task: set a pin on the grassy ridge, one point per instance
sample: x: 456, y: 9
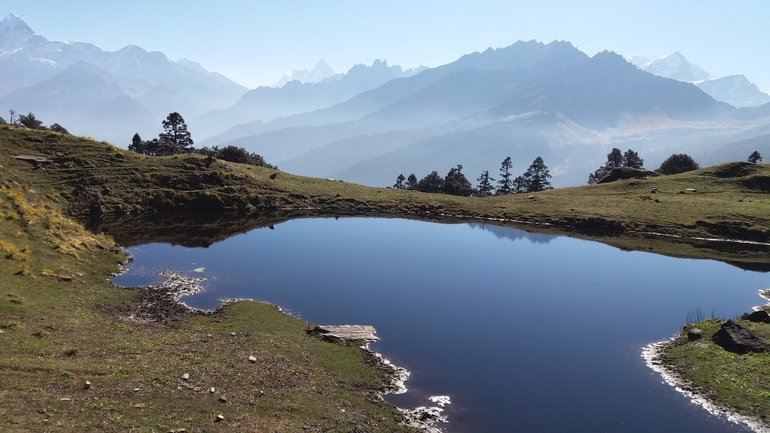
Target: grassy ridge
x: 731, y: 201
x: 61, y: 319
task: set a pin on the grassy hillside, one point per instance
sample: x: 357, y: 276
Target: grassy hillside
x: 730, y: 201
x: 62, y: 323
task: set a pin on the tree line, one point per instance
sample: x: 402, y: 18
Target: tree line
x: 535, y: 178
x: 29, y: 121
x: 674, y: 164
x: 176, y: 139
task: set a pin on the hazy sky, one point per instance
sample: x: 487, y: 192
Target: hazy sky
x: 255, y: 42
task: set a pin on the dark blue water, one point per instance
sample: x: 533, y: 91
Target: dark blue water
x: 525, y: 332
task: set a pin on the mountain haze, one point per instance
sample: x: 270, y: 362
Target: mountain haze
x: 130, y: 79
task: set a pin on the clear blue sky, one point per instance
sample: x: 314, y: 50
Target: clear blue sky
x: 255, y: 42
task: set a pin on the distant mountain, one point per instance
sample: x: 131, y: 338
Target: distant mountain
x: 528, y: 99
x: 676, y: 67
x: 29, y: 64
x: 736, y: 90
x: 320, y: 72
x: 268, y: 103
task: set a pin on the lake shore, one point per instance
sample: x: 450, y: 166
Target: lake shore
x: 725, y: 384
x: 61, y: 322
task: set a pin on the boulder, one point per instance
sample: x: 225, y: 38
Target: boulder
x: 694, y: 334
x: 733, y: 337
x: 760, y: 316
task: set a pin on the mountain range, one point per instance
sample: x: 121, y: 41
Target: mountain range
x: 375, y: 121
x: 526, y: 100
x: 122, y: 92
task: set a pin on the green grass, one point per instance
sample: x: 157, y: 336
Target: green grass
x: 57, y: 334
x: 741, y: 382
x: 61, y: 318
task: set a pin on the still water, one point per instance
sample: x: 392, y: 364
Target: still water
x: 526, y: 332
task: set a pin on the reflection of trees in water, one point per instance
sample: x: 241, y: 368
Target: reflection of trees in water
x: 186, y: 229
x: 513, y: 234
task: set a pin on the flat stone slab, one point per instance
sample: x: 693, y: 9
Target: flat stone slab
x: 347, y: 332
x: 31, y: 158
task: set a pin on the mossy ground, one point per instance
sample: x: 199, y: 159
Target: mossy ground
x: 740, y: 382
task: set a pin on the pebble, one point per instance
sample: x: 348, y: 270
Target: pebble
x: 212, y: 390
x: 232, y: 334
x: 87, y: 385
x: 137, y: 389
x: 186, y: 376
x: 252, y: 358
x: 220, y: 417
x: 222, y: 399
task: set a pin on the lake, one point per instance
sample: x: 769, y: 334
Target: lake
x: 525, y: 332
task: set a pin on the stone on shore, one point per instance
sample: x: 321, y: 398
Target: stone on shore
x: 346, y: 332
x: 735, y: 338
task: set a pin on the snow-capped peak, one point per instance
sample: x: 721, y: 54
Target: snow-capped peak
x: 677, y: 67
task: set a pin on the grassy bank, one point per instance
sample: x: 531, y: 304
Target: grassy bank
x: 730, y: 201
x: 733, y: 381
x: 64, y: 324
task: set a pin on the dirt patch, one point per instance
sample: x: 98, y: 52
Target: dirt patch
x: 160, y: 304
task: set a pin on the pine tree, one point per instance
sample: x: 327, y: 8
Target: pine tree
x: 505, y: 177
x: 455, y: 182
x: 537, y: 175
x: 411, y: 182
x: 485, y: 183
x: 399, y: 181
x: 520, y: 184
x: 176, y: 138
x: 755, y: 157
x: 55, y: 127
x: 632, y: 159
x: 431, y: 183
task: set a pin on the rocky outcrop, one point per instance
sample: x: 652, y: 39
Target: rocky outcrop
x: 735, y: 338
x: 760, y: 316
x: 622, y: 173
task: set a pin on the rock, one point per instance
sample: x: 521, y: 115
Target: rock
x: 735, y: 338
x: 137, y: 389
x: 760, y: 316
x: 222, y: 399
x: 252, y: 358
x: 345, y: 332
x: 690, y: 190
x: 232, y: 334
x: 87, y: 385
x: 212, y: 390
x: 219, y: 418
x: 694, y: 334
x: 186, y: 376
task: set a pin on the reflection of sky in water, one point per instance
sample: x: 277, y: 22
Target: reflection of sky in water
x: 525, y: 332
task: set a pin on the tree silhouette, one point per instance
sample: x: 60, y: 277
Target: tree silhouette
x: 137, y: 145
x: 678, y: 163
x: 176, y: 138
x: 520, y: 184
x: 537, y: 175
x: 485, y: 183
x: 632, y: 159
x: 431, y: 183
x: 505, y: 183
x: 399, y: 181
x: 456, y: 183
x: 616, y: 159
x: 30, y: 121
x: 755, y: 157
x: 411, y: 182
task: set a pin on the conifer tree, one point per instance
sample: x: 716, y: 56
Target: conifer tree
x: 537, y: 175
x: 505, y: 184
x: 755, y: 157
x: 399, y: 181
x: 485, y: 183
